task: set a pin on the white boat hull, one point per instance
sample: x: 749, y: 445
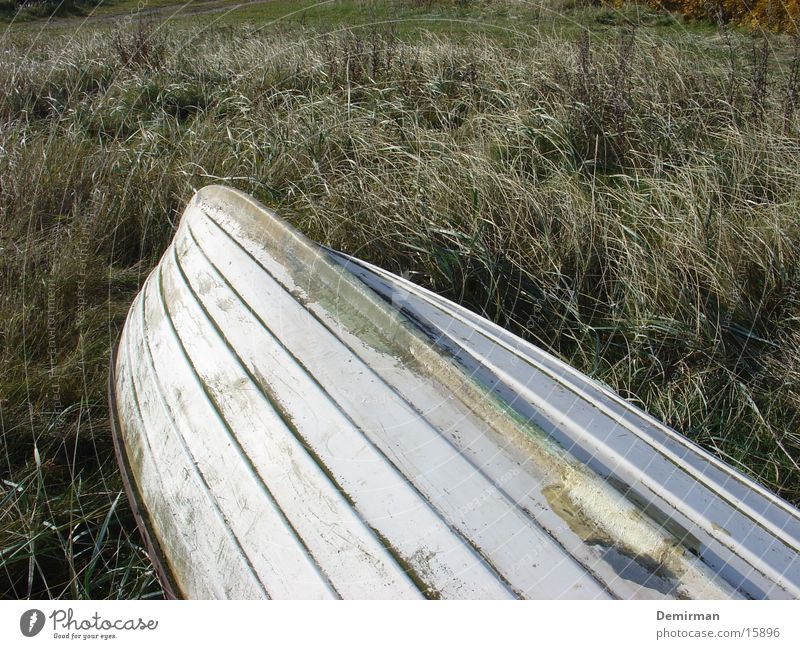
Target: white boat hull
x: 295, y: 423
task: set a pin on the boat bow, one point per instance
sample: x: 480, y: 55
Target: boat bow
x: 297, y: 423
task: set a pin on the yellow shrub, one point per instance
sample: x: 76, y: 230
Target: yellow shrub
x: 778, y: 15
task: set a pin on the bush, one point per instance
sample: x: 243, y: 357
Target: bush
x: 777, y: 15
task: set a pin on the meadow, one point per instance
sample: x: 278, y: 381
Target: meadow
x: 617, y: 185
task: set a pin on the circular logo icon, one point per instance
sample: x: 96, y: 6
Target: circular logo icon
x: 31, y: 622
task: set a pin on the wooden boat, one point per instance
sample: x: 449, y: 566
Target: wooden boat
x: 295, y: 423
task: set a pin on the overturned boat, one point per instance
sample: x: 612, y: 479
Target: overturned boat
x: 292, y: 422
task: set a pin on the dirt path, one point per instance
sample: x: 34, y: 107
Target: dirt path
x: 167, y: 12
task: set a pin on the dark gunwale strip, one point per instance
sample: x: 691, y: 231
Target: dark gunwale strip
x: 459, y: 353
x: 182, y: 441
x: 772, y: 537
x: 524, y: 511
x: 473, y: 320
x: 247, y: 461
x: 401, y: 563
x: 772, y: 532
x: 736, y: 579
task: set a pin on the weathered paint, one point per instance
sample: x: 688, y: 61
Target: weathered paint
x: 298, y: 423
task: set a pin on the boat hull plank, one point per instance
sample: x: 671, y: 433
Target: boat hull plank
x: 183, y: 534
x: 468, y: 506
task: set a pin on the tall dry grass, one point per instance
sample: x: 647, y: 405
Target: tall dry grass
x: 622, y: 205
